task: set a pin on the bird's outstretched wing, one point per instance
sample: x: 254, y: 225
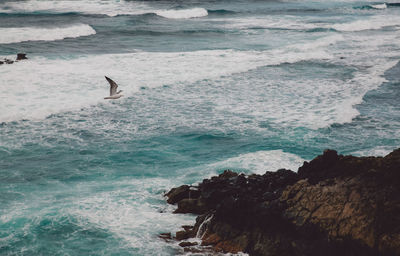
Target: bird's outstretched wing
x: 113, y: 86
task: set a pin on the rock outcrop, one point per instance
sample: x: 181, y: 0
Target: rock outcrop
x: 20, y: 56
x: 333, y: 205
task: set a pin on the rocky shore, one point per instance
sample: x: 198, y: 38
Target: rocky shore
x: 333, y: 205
x: 20, y: 56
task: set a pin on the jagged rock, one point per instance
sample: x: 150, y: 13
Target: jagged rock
x: 177, y: 194
x: 183, y: 192
x: 187, y: 228
x: 165, y: 236
x: 195, y: 206
x: 334, y: 205
x: 186, y: 244
x: 21, y: 56
x: 193, y: 250
x: 182, y: 235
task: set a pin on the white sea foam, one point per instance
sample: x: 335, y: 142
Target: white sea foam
x: 259, y: 162
x: 183, y: 14
x: 281, y: 21
x: 133, y: 211
x: 110, y: 8
x: 379, y: 6
x: 21, y: 34
x: 376, y: 22
x: 130, y: 213
x: 377, y: 151
x: 57, y: 85
x: 296, y: 23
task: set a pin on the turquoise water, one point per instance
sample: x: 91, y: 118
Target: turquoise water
x: 208, y: 85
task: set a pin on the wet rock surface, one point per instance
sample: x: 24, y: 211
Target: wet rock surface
x: 333, y: 205
x: 20, y: 56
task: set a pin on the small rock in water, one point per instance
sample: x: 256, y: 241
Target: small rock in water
x: 21, y: 56
x: 165, y: 236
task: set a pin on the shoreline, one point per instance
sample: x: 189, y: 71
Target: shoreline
x: 333, y: 205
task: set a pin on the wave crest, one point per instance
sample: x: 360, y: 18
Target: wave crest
x: 379, y: 6
x: 22, y: 34
x: 183, y: 14
x: 109, y: 8
x: 370, y: 24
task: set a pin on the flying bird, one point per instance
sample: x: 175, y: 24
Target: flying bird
x: 113, y: 90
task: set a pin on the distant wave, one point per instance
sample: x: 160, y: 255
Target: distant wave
x: 183, y: 14
x: 373, y: 6
x: 22, y: 34
x: 277, y: 23
x: 93, y: 7
x: 96, y: 7
x: 371, y: 24
x: 380, y: 6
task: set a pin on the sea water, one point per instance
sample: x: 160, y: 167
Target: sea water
x: 252, y: 86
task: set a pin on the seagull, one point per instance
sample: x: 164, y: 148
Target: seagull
x: 113, y: 90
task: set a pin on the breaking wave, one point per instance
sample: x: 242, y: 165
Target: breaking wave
x: 22, y: 34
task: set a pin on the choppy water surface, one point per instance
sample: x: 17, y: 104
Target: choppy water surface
x: 209, y: 85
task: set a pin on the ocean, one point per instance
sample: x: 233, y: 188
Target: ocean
x: 251, y: 86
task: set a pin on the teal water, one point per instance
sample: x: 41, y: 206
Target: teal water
x: 208, y: 85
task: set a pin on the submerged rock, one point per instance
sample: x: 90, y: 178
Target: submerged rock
x: 334, y: 205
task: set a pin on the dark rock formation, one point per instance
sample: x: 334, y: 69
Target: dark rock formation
x: 186, y: 244
x: 21, y: 56
x: 8, y: 61
x: 165, y: 236
x: 334, y: 205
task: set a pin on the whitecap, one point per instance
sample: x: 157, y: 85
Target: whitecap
x: 379, y: 6
x: 259, y: 162
x: 183, y: 14
x: 109, y: 8
x: 22, y: 34
x: 376, y: 151
x: 373, y: 23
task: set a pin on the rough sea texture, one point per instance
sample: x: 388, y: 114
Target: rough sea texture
x: 208, y: 85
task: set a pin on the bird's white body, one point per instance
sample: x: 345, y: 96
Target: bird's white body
x: 113, y: 90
